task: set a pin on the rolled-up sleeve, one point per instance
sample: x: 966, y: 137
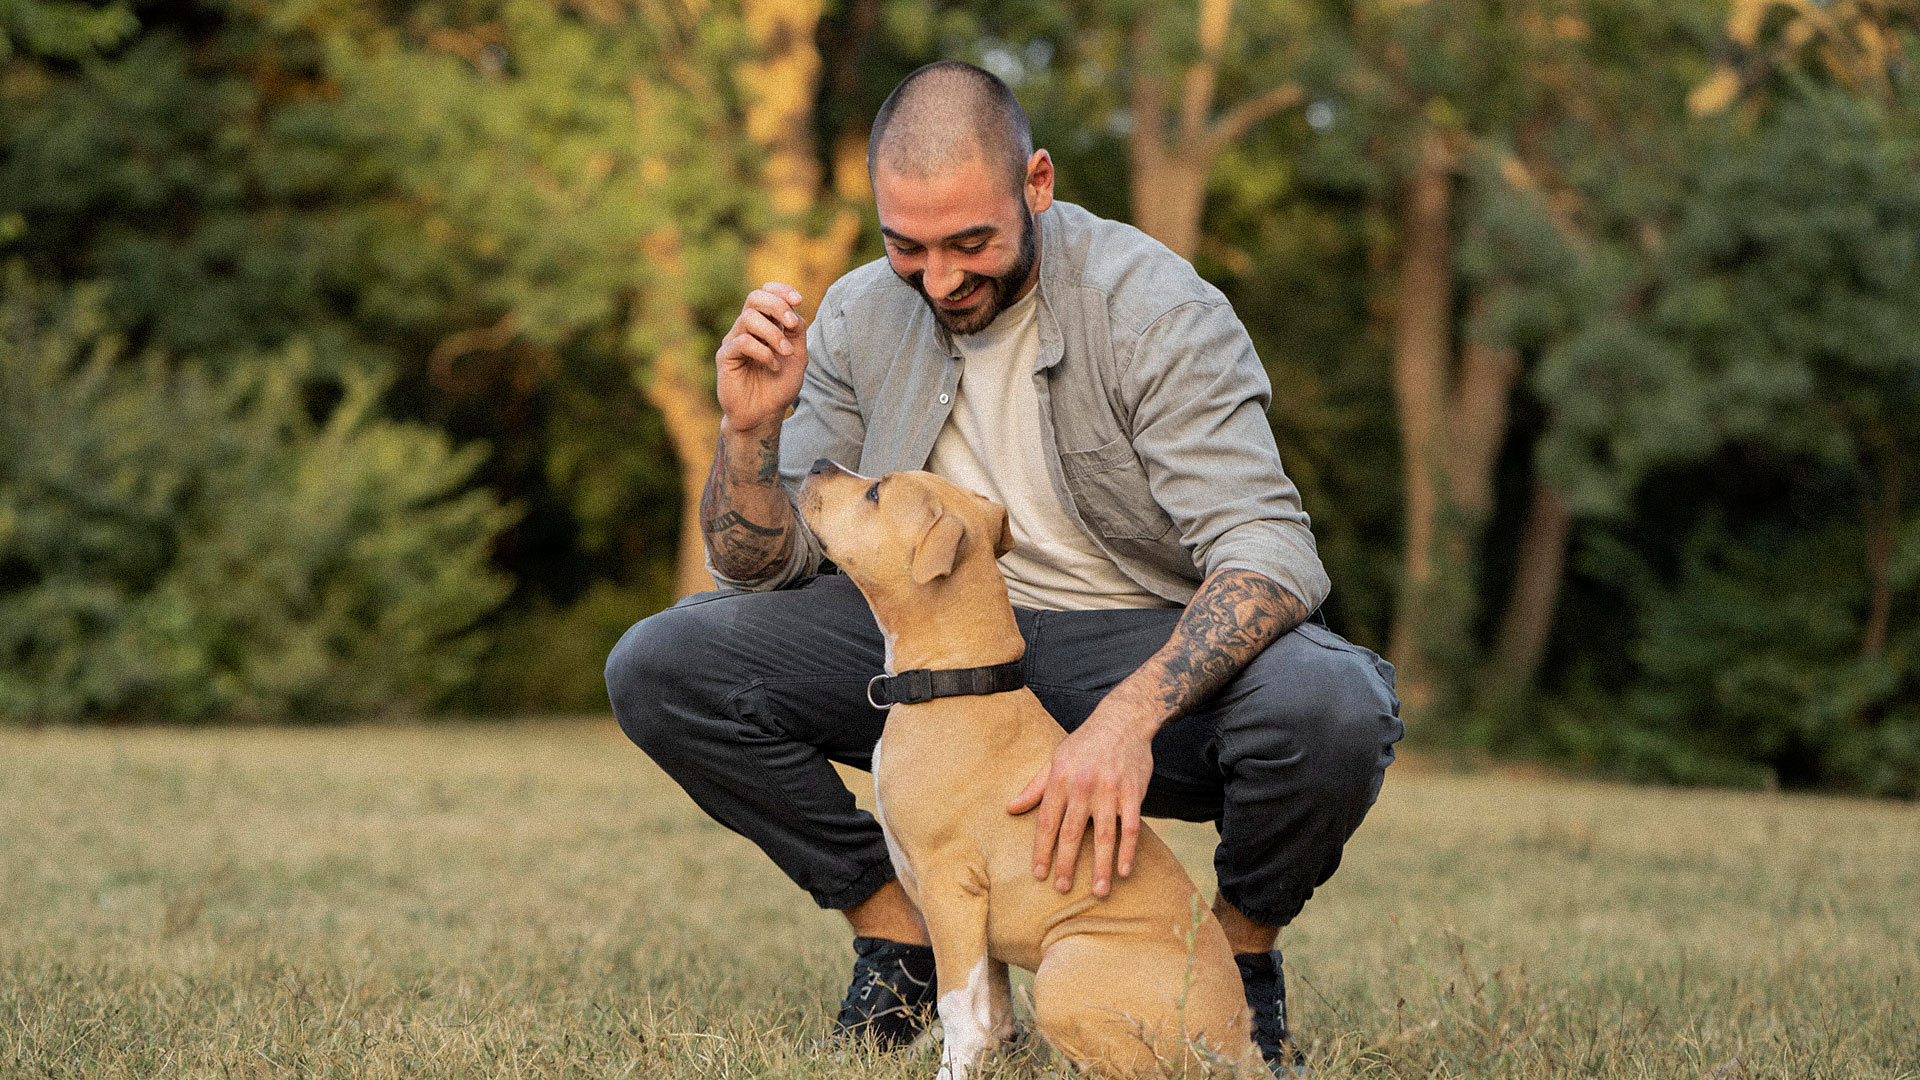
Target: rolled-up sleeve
x: 1199, y: 425
x: 826, y: 422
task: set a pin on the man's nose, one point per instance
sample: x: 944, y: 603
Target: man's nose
x: 943, y: 278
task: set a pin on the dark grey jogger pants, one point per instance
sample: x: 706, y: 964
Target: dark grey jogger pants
x: 744, y: 698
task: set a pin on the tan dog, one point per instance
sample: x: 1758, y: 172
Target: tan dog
x: 1121, y: 985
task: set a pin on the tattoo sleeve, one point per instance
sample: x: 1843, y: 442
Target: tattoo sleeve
x: 1235, y: 615
x: 744, y: 548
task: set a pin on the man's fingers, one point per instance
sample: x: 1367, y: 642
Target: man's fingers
x: 1067, y: 850
x: 760, y: 326
x: 791, y: 294
x: 1103, y: 837
x: 1129, y: 834
x: 746, y: 347
x: 778, y: 309
x: 779, y: 303
x: 1046, y: 826
x: 1030, y: 797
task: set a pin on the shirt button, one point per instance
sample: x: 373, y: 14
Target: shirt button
x: 945, y: 398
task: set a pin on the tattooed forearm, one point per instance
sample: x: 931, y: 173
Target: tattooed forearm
x: 742, y: 547
x: 1235, y: 614
x: 769, y: 454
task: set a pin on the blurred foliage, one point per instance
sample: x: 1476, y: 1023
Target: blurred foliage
x: 295, y: 253
x: 187, y: 546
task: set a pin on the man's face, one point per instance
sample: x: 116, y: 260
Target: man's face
x: 963, y: 241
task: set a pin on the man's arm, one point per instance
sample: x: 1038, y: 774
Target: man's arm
x: 744, y: 511
x: 1236, y: 614
x: 1099, y: 773
x: 1199, y: 397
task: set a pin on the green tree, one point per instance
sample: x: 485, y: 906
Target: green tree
x: 62, y: 29
x: 184, y: 545
x: 1495, y: 143
x: 604, y: 178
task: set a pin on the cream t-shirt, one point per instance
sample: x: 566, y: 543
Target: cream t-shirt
x: 992, y: 444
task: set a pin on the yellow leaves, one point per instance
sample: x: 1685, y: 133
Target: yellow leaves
x: 1516, y: 174
x: 599, y: 167
x: 1853, y: 41
x: 604, y: 12
x: 1744, y: 19
x: 1563, y: 27
x: 1715, y: 93
x: 1570, y: 28
x: 662, y: 249
x: 850, y: 180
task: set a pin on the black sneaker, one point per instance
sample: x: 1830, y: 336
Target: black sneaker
x: 892, y: 997
x: 1266, y: 987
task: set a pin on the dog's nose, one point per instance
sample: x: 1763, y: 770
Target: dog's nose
x: 824, y: 465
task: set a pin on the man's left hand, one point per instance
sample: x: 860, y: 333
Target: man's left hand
x: 1098, y: 774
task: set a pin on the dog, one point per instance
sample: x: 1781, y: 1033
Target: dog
x: 1122, y: 985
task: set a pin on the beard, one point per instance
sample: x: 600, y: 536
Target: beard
x: 999, y: 289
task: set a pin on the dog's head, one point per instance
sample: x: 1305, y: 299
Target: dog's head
x: 902, y: 532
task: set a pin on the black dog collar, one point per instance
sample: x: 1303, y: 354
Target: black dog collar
x: 925, y: 684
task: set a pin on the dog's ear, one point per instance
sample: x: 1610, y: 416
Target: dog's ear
x: 1005, y: 543
x: 939, y: 546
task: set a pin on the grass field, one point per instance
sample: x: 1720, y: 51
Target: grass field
x: 536, y: 899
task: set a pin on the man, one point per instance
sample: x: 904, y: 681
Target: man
x: 1164, y: 575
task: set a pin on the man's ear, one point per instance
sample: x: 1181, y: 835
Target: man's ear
x: 939, y: 546
x: 1005, y: 543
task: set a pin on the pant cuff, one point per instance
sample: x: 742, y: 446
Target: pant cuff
x: 1276, y: 912
x: 859, y: 889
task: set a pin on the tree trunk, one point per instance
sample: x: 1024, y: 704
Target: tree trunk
x: 779, y: 82
x: 1421, y: 357
x: 1521, y: 642
x: 679, y: 389
x: 1168, y: 168
x: 1166, y: 196
x: 1479, y: 409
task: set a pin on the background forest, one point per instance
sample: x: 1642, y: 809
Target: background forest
x: 356, y: 357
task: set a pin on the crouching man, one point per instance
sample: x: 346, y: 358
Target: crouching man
x: 1164, y: 575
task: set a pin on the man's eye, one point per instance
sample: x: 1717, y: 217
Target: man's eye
x: 974, y: 250
x: 904, y: 251
x: 873, y: 493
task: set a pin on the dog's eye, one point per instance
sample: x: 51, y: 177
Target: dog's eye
x: 873, y: 493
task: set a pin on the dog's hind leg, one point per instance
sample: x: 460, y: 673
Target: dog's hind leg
x: 975, y: 1005
x: 1116, y: 1007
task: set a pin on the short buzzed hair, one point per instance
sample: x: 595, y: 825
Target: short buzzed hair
x: 944, y: 115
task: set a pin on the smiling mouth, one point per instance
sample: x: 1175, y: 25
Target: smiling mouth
x: 964, y: 298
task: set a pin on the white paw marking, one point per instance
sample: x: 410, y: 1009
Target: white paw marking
x: 966, y: 1014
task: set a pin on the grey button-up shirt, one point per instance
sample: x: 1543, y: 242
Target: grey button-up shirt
x: 1152, y: 401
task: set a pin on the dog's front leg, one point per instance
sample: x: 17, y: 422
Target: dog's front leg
x: 975, y: 1007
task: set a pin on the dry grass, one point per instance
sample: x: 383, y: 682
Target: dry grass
x: 535, y: 899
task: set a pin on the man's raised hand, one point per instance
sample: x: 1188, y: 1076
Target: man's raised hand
x: 762, y: 359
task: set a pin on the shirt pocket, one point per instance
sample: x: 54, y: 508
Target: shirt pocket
x: 1109, y: 485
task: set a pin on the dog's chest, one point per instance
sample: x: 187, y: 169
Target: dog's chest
x: 952, y: 765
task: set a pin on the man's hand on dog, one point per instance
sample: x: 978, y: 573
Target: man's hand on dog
x: 1098, y: 773
x: 762, y: 359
